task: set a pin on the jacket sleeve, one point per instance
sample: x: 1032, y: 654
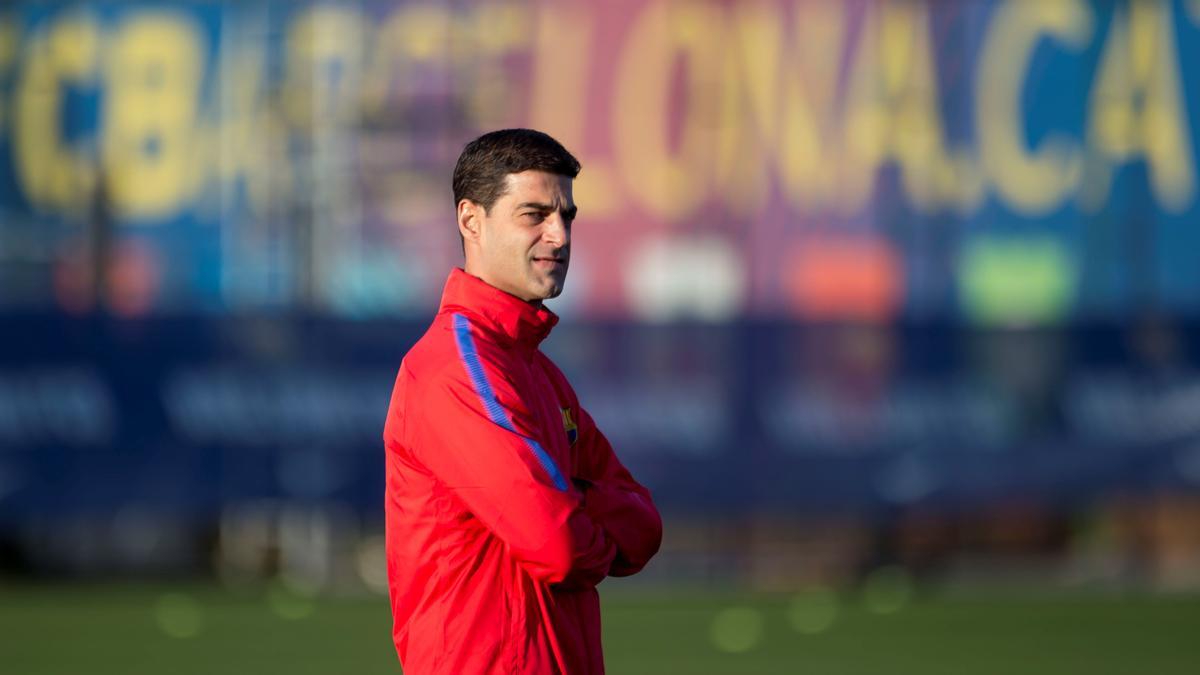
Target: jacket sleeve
x: 616, y: 501
x: 474, y: 432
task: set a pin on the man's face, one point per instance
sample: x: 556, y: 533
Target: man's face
x: 524, y: 240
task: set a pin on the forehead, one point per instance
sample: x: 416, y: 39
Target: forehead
x: 538, y: 186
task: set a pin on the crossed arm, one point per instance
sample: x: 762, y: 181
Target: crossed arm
x: 566, y: 525
x: 620, y: 505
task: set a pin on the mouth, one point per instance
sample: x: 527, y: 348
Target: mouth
x: 550, y: 262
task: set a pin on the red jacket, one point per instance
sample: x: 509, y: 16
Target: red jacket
x: 505, y: 504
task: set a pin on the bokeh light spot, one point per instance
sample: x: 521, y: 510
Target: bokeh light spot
x: 1012, y: 281
x: 737, y: 629
x: 814, y: 610
x: 845, y: 278
x: 288, y: 604
x: 178, y: 615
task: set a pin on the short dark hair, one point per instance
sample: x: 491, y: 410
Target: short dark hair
x: 486, y: 162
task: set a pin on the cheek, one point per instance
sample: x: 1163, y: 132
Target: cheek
x: 518, y: 251
x: 505, y: 244
x: 528, y: 244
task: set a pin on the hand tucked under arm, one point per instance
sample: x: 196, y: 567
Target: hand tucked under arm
x: 629, y: 518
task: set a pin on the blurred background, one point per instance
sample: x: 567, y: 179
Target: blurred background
x: 894, y: 305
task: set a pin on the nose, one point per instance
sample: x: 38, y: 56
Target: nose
x: 556, y: 232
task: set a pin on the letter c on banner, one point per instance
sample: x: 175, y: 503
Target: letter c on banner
x: 52, y: 174
x: 1033, y: 182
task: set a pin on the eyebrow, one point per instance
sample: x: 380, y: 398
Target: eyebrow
x: 569, y: 214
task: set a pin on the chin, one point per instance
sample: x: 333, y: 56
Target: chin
x: 550, y: 288
x: 548, y: 293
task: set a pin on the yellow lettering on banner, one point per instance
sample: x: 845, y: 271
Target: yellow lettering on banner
x: 52, y: 174
x: 415, y: 33
x: 750, y: 105
x: 668, y: 179
x: 8, y: 41
x: 892, y: 114
x: 8, y: 50
x: 779, y: 102
x: 325, y: 53
x: 498, y: 28
x: 1137, y: 109
x: 1033, y: 182
x: 807, y: 161
x: 469, y: 44
x: 155, y: 66
x: 558, y: 102
x: 248, y: 134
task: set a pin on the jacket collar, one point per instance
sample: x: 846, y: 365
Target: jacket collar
x: 509, y: 317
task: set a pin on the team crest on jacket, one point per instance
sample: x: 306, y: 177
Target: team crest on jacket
x: 569, y: 425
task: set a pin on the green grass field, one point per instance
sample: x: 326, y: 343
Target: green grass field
x: 64, y: 630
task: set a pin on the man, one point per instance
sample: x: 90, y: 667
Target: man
x: 505, y: 504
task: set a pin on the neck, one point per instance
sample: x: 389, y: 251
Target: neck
x: 476, y: 272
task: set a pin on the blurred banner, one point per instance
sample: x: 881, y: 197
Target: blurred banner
x: 831, y: 256
x: 978, y: 162
x: 181, y: 417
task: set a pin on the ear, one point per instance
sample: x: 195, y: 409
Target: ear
x: 470, y: 219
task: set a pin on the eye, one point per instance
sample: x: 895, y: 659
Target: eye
x: 534, y: 216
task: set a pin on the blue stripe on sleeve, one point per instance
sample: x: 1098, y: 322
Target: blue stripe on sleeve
x: 496, y: 412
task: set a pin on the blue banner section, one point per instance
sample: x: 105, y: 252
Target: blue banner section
x: 189, y: 415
